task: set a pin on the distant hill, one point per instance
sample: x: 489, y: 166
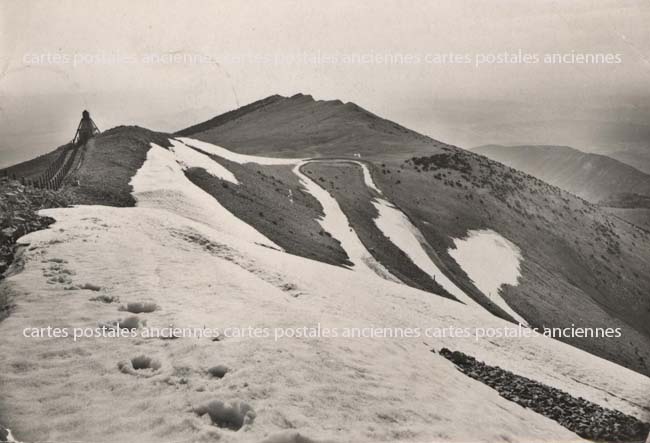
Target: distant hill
x: 593, y: 177
x: 636, y: 157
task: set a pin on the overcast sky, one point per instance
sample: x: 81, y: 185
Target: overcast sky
x: 61, y: 57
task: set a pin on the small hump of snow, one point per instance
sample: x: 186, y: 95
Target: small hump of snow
x: 235, y: 157
x: 490, y: 261
x: 191, y: 158
x: 337, y: 224
x: 161, y: 184
x: 397, y: 227
x: 367, y: 177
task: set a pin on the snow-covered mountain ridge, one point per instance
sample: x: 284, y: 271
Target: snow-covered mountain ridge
x: 416, y: 249
x: 171, y: 252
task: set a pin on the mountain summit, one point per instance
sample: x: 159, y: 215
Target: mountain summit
x: 300, y: 126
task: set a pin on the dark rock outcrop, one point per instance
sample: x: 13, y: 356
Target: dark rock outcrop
x: 18, y: 215
x: 585, y: 418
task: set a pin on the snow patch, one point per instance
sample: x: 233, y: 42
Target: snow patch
x: 337, y: 224
x: 335, y: 221
x: 218, y: 371
x: 141, y: 256
x: 396, y: 226
x: 490, y: 261
x: 235, y: 157
x: 396, y: 388
x: 139, y: 307
x: 367, y: 177
x: 231, y: 416
x: 191, y: 158
x: 161, y: 183
x: 7, y: 436
x: 141, y: 365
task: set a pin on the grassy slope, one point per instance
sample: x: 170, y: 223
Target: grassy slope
x: 229, y: 116
x: 581, y: 265
x: 637, y: 216
x: 109, y: 162
x: 262, y: 200
x: 345, y: 183
x: 103, y: 168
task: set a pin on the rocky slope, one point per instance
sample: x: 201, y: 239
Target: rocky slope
x: 586, y: 419
x: 18, y: 214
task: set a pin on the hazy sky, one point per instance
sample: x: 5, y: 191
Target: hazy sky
x: 61, y: 57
